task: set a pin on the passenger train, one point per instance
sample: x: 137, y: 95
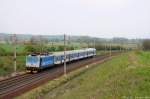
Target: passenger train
x: 37, y: 62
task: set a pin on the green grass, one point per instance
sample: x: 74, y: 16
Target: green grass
x: 144, y: 57
x: 126, y: 76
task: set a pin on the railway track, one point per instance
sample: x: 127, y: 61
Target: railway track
x: 15, y: 86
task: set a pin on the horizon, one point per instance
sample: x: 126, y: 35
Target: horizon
x: 71, y: 35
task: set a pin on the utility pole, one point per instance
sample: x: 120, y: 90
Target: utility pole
x: 65, y: 55
x: 41, y: 44
x: 105, y: 47
x: 69, y: 40
x: 123, y: 48
x: 94, y: 46
x: 120, y: 48
x: 14, y: 41
x: 87, y: 44
x: 110, y: 50
x: 94, y: 43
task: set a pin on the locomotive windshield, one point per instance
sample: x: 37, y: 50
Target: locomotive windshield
x: 32, y: 59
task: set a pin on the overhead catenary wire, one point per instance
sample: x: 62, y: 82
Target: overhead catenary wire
x: 14, y: 44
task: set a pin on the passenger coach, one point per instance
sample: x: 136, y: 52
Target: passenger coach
x: 36, y: 62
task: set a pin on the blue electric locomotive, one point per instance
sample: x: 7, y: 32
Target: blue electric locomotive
x: 35, y: 62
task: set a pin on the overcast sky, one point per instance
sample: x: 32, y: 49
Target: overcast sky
x: 99, y: 18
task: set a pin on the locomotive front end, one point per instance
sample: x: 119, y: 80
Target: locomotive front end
x: 32, y: 63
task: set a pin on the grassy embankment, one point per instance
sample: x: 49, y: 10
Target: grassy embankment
x: 7, y: 64
x: 125, y: 76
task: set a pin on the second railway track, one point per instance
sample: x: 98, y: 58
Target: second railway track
x: 15, y: 86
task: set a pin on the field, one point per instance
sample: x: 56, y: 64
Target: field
x: 124, y: 77
x: 9, y: 48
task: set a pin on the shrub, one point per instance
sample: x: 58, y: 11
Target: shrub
x: 2, y: 51
x: 30, y: 48
x: 51, y: 49
x: 60, y: 48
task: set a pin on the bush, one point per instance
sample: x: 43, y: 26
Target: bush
x: 71, y: 48
x: 51, y: 49
x: 60, y: 48
x: 2, y: 51
x: 1, y: 63
x: 30, y: 48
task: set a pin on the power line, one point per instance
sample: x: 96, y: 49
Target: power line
x: 110, y: 50
x: 64, y: 54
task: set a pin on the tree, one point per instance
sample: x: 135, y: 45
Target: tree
x: 30, y: 48
x: 146, y: 44
x: 2, y: 51
x: 33, y: 40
